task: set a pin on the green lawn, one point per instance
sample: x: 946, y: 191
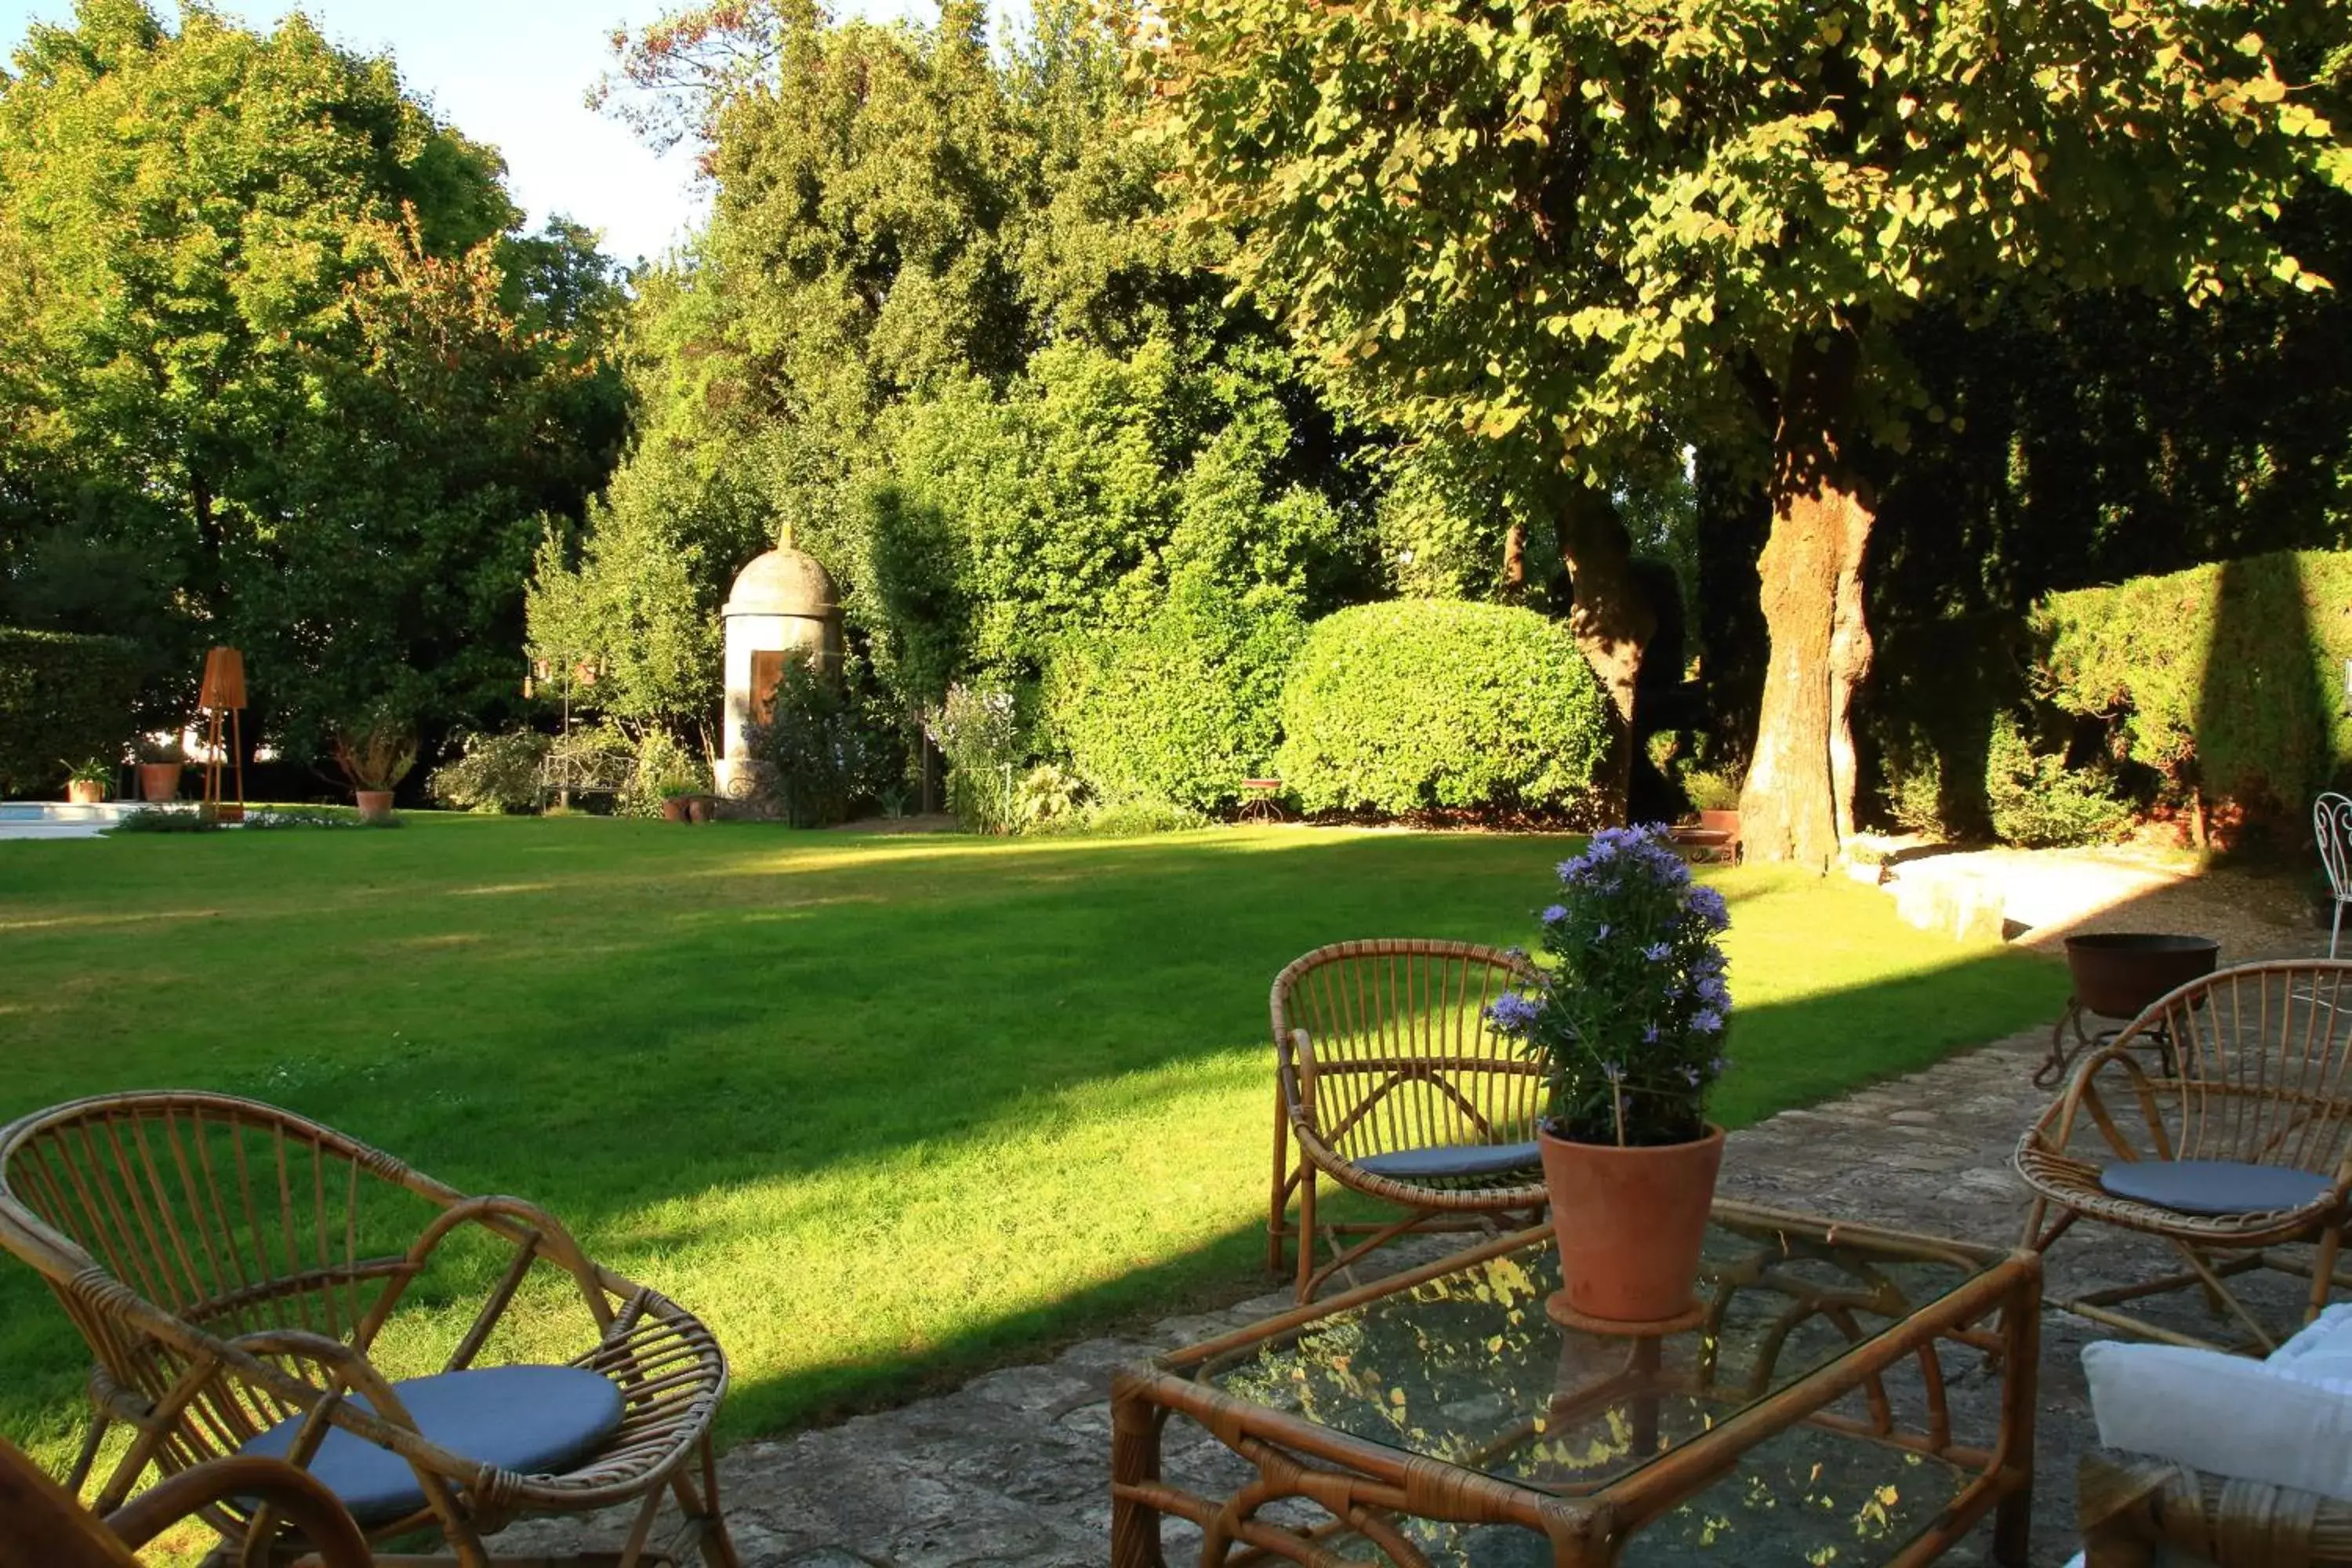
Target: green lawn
x: 879, y: 1109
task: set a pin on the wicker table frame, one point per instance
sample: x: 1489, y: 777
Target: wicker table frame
x: 1363, y: 1485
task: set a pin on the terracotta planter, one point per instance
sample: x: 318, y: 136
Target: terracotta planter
x: 1630, y: 1223
x: 702, y: 808
x: 159, y: 781
x: 85, y: 791
x: 675, y: 807
x: 1721, y: 822
x: 375, y: 804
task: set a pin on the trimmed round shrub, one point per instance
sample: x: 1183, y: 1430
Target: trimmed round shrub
x: 64, y: 699
x: 1178, y: 712
x: 1427, y: 703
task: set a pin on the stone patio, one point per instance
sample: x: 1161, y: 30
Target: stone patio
x: 1012, y: 1468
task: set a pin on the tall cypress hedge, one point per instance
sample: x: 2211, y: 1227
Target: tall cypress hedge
x: 1428, y: 703
x: 2227, y: 679
x: 63, y: 699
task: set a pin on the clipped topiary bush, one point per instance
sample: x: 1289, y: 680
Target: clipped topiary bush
x: 1178, y: 712
x: 2226, y: 679
x: 1434, y: 703
x: 62, y: 696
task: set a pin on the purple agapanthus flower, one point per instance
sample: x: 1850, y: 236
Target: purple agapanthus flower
x: 1553, y: 914
x: 1512, y: 1013
x: 1658, y: 951
x: 1707, y: 1021
x: 1709, y: 905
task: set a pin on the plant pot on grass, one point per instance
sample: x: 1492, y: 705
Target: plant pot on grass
x: 85, y: 782
x: 375, y: 754
x: 160, y: 765
x: 1630, y: 1027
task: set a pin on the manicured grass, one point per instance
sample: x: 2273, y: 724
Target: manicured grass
x: 878, y: 1109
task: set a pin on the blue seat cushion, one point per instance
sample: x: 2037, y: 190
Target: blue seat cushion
x: 1453, y: 1161
x: 2212, y: 1186
x: 532, y: 1420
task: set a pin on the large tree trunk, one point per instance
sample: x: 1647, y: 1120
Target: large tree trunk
x: 1611, y: 620
x: 1798, y: 802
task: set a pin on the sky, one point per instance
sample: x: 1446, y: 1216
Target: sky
x: 511, y: 73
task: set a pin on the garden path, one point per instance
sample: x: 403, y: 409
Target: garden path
x: 1012, y: 1468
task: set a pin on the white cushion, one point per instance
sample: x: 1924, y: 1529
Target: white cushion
x: 2288, y: 1425
x: 2321, y: 1351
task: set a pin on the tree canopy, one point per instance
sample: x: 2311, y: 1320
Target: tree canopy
x: 1579, y: 233
x: 279, y: 374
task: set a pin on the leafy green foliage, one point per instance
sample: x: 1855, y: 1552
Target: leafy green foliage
x: 1583, y: 236
x: 1582, y: 218
x: 2227, y: 678
x: 492, y: 773
x: 935, y: 328
x: 1427, y: 703
x: 811, y: 750
x: 2039, y: 802
x: 1075, y: 498
x: 278, y: 380
x: 659, y: 768
x: 62, y: 696
x: 156, y: 820
x: 1180, y: 710
x: 978, y: 732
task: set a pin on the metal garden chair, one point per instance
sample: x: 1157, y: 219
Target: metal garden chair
x: 239, y: 1274
x: 2235, y: 1145
x: 2331, y: 829
x: 1391, y: 1081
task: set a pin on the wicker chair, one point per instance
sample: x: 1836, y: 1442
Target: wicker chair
x: 2127, y: 1507
x: 47, y: 1528
x: 2234, y: 1141
x: 1391, y: 1083
x: 234, y: 1267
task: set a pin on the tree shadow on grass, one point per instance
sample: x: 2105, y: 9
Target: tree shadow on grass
x: 647, y: 1047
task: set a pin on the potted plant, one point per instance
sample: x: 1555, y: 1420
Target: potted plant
x: 677, y: 801
x: 1716, y: 797
x: 376, y: 757
x: 1629, y: 1024
x: 159, y: 762
x: 85, y: 782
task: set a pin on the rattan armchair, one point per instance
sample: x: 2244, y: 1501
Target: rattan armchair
x: 43, y: 1526
x: 235, y: 1270
x: 2219, y: 1121
x: 2130, y: 1507
x: 1391, y: 1081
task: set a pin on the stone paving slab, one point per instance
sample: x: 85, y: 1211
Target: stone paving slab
x: 1012, y: 1468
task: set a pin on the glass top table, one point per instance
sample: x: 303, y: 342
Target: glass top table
x: 1442, y: 1417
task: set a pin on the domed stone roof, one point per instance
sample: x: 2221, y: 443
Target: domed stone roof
x: 784, y: 582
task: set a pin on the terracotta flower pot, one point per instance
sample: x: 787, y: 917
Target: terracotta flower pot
x: 85, y: 791
x: 675, y: 808
x: 159, y: 781
x: 702, y: 808
x: 1630, y: 1223
x: 375, y: 804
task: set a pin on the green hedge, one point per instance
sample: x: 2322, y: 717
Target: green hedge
x: 2228, y: 677
x: 63, y: 699
x: 1428, y: 702
x: 1179, y: 710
